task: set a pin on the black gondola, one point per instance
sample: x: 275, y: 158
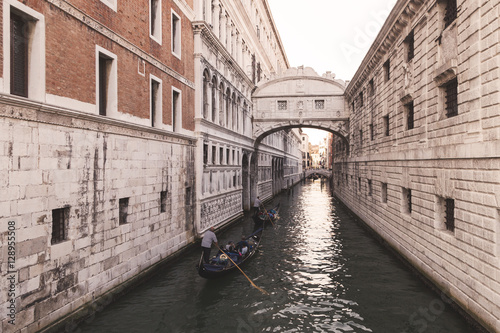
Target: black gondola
x: 267, y: 215
x: 225, y: 262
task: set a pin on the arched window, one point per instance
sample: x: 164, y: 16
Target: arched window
x: 206, y: 102
x: 214, y: 98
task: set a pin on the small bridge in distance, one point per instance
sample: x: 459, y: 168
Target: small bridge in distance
x: 319, y: 172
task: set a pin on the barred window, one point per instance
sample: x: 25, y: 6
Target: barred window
x: 450, y: 214
x: 451, y: 102
x: 60, y: 219
x: 386, y: 125
x: 409, y: 116
x: 407, y: 200
x: 384, y: 192
x: 282, y: 105
x: 123, y: 210
x: 319, y: 104
x: 163, y: 201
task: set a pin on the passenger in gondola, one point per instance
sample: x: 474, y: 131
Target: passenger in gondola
x: 230, y: 246
x: 242, y: 246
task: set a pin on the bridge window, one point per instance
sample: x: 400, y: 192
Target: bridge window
x: 282, y: 105
x: 319, y: 104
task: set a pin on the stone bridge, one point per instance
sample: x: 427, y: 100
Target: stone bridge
x: 300, y: 98
x: 320, y: 172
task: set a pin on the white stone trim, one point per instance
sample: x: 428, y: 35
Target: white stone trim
x: 177, y: 48
x: 111, y: 4
x: 112, y: 107
x: 185, y: 9
x: 36, y: 67
x: 159, y: 103
x: 70, y: 103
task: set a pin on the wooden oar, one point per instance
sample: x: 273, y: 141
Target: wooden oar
x: 253, y: 284
x: 267, y: 214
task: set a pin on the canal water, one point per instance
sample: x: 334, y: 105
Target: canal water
x: 323, y: 272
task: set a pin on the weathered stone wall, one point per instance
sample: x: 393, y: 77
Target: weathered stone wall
x: 52, y: 159
x: 398, y: 178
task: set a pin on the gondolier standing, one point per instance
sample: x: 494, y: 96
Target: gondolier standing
x: 206, y: 243
x: 256, y: 206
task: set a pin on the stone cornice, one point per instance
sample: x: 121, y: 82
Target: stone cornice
x: 24, y: 109
x: 119, y: 40
x: 398, y: 19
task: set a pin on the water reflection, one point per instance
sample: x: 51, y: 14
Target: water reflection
x: 323, y: 271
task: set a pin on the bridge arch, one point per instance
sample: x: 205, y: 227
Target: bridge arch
x: 300, y: 98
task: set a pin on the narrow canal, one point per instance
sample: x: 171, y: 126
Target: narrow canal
x: 322, y: 270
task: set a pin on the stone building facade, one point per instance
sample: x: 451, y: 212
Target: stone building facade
x: 422, y: 167
x: 236, y: 47
x: 97, y: 149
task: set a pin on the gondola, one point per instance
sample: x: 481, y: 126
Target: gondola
x: 224, y: 262
x: 267, y: 215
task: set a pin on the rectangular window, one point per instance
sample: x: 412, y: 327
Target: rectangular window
x: 361, y: 102
x: 371, y: 86
x: 359, y: 184
x: 386, y: 125
x: 123, y: 210
x: 353, y: 107
x: 449, y: 218
x: 163, y: 201
x: 155, y: 24
x: 282, y: 105
x: 106, y: 82
x: 409, y: 116
x: 176, y: 110
x: 319, y: 104
x: 19, y: 43
x: 221, y: 155
x: 372, y: 134
x: 384, y: 193
x: 450, y: 95
x: 60, y: 218
x: 205, y: 153
x: 188, y: 196
x: 370, y: 190
x: 407, y: 200
x: 228, y: 155
x: 156, y: 104
x: 450, y: 12
x: 176, y: 35
x: 387, y: 70
x: 409, y: 44
x: 360, y: 138
x: 214, y: 155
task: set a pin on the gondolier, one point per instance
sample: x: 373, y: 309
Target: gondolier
x: 206, y: 243
x: 256, y: 206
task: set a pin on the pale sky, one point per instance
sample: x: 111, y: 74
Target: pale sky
x: 329, y: 35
